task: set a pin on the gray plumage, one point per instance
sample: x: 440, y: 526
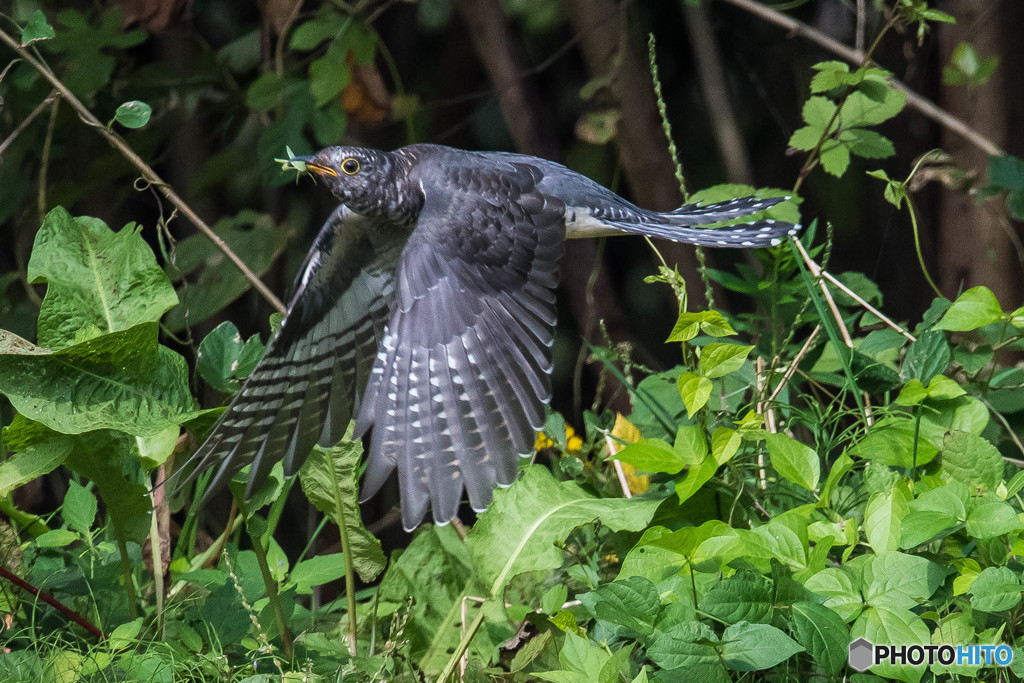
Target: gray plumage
x: 426, y: 311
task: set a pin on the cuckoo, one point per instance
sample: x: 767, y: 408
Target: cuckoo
x: 425, y: 311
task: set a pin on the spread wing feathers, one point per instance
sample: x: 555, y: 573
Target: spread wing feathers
x: 695, y: 214
x: 303, y: 390
x: 459, y: 386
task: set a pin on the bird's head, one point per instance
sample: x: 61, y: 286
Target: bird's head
x: 355, y: 175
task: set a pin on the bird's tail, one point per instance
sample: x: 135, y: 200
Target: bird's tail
x: 676, y: 225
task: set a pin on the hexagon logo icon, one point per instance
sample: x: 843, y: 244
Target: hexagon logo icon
x: 861, y: 654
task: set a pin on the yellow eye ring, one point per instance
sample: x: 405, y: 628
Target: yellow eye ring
x: 350, y: 166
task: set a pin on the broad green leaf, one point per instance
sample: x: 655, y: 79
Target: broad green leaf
x: 861, y: 110
x: 684, y: 645
x: 786, y: 539
x: 695, y: 391
x: 745, y: 596
x: 691, y: 444
x: 224, y: 359
x: 79, y: 508
x: 122, y: 637
x: 326, y: 25
x: 650, y: 561
x: 939, y: 388
x: 989, y: 517
x: 329, y: 480
x: 927, y: 357
x: 1006, y: 172
x: 867, y: 143
x: 97, y: 280
x: 934, y: 513
x: 974, y: 308
x: 794, y: 461
x: 840, y: 468
x: 899, y: 581
x: 842, y: 595
x: 822, y: 633
x: 835, y: 158
x: 818, y: 112
x: 582, y: 661
x: 37, y: 28
x: 752, y: 647
x: 56, y: 538
x: 689, y: 324
x: 316, y: 571
x: 891, y: 440
x: 972, y: 459
x: 892, y: 625
x: 652, y: 455
x: 134, y: 114
x: 806, y: 138
x: 519, y: 530
x: 122, y: 380
x: 725, y: 442
x: 830, y: 75
x: 996, y: 589
x: 719, y: 359
x: 695, y: 477
x: 32, y: 462
x: 632, y: 603
x: 328, y: 75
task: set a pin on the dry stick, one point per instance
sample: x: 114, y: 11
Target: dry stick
x: 52, y: 601
x: 148, y: 174
x: 816, y: 271
x: 613, y: 449
x: 915, y: 101
x: 769, y: 416
x: 874, y: 311
x: 795, y: 363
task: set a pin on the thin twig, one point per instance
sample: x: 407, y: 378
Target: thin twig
x: 914, y: 101
x: 795, y: 363
x: 53, y: 602
x: 816, y: 271
x: 613, y: 448
x: 874, y: 311
x: 148, y: 174
x: 40, y: 108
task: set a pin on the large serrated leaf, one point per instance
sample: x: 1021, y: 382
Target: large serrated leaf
x: 98, y: 280
x: 122, y: 380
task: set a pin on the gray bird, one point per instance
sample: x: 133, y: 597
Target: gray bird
x: 426, y: 310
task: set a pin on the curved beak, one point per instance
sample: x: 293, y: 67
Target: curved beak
x: 315, y: 167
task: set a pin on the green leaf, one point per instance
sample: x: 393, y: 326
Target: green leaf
x: 79, y: 509
x: 752, y: 647
x: 745, y: 596
x: 329, y: 75
x: 133, y: 114
x: 32, y: 462
x: 867, y: 143
x: 933, y: 514
x: 974, y: 308
x: 927, y: 357
x: 990, y: 517
x: 972, y: 459
x: 684, y: 645
x: 694, y: 478
x: 689, y: 324
x: 691, y: 444
x: 632, y: 603
x: 890, y: 625
x: 719, y: 359
x: 224, y: 359
x: 794, y: 461
x: 581, y: 659
x: 725, y: 443
x: 519, y: 530
x: 939, y: 388
x: 695, y: 391
x: 899, y: 581
x: 841, y: 594
x: 805, y: 139
x: 861, y: 110
x: 326, y: 25
x: 996, y: 589
x: 830, y: 75
x: 652, y: 455
x: 890, y: 441
x: 122, y: 637
x: 56, y: 538
x: 316, y: 571
x: 817, y: 112
x: 37, y: 28
x: 1006, y: 172
x: 835, y: 158
x: 122, y: 380
x: 97, y: 280
x: 329, y: 480
x: 883, y: 519
x: 822, y: 634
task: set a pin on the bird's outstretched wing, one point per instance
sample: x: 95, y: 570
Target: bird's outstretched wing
x: 458, y: 390
x: 305, y: 387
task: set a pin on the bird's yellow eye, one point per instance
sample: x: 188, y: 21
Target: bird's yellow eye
x: 350, y: 166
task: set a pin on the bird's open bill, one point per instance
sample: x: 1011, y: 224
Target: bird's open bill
x: 316, y: 168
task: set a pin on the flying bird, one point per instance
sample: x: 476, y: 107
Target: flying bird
x: 425, y: 311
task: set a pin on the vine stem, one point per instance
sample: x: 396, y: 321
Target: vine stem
x: 53, y: 602
x: 148, y: 174
x: 915, y: 101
